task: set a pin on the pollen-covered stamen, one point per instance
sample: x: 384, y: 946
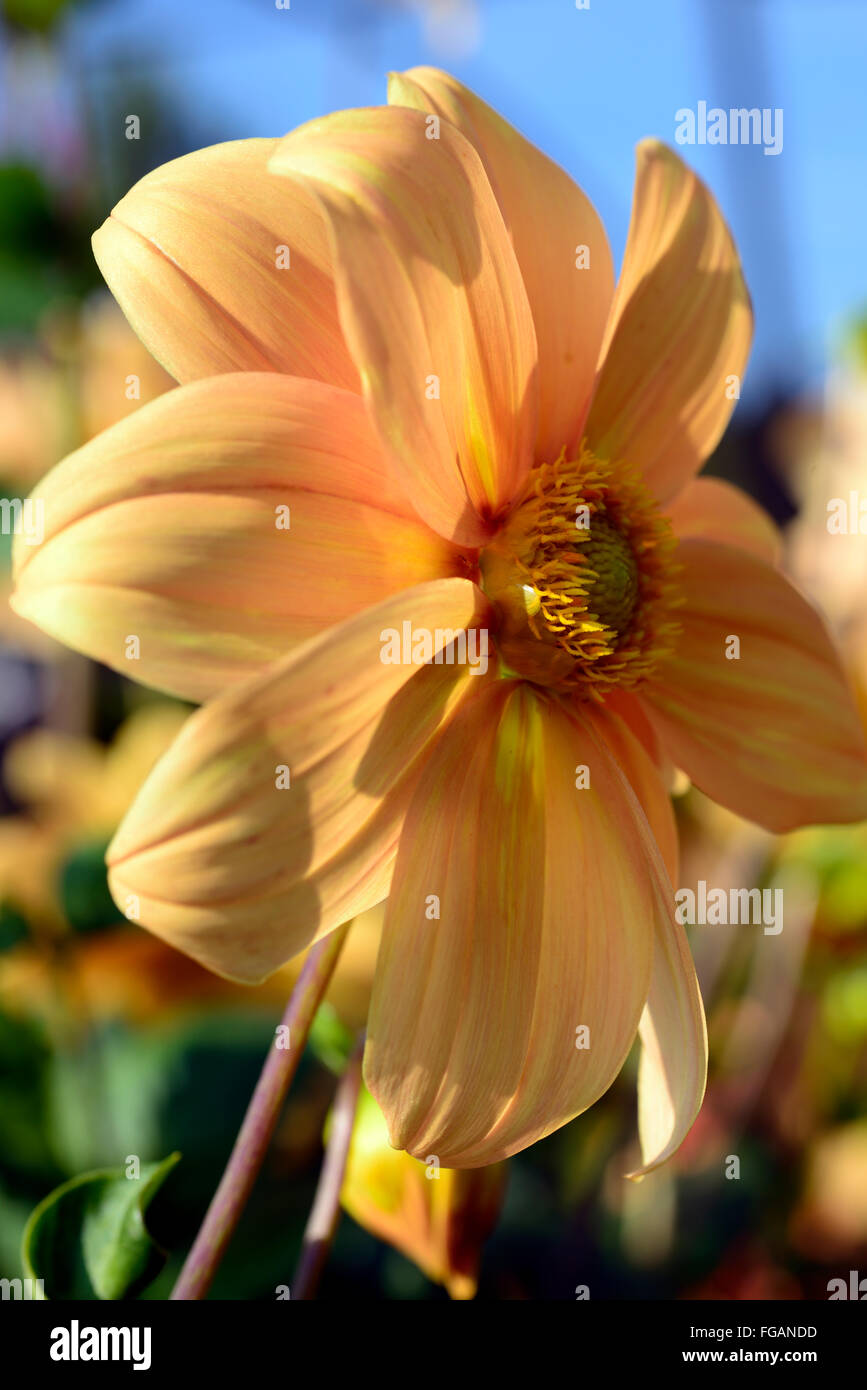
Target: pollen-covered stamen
x: 591, y: 561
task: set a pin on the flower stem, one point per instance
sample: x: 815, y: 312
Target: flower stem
x: 322, y: 1222
x: 262, y: 1115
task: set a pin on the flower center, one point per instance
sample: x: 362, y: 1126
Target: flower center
x: 583, y: 577
x: 601, y: 575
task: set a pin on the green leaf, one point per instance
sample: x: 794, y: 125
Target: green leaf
x: 38, y: 15
x: 330, y: 1040
x: 84, y: 896
x: 88, y: 1240
x: 26, y: 1153
x: 13, y: 927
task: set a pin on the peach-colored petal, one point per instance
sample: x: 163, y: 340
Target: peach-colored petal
x: 221, y: 267
x: 679, y: 333
x: 220, y: 526
x: 522, y: 909
x: 432, y: 305
x: 673, y: 1066
x: 559, y: 240
x: 275, y: 815
x: 627, y: 705
x: 712, y: 510
x: 772, y: 734
x: 645, y: 776
x: 673, y: 1069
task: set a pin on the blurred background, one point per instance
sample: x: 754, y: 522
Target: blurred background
x: 111, y: 1044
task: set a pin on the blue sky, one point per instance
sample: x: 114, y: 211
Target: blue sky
x: 585, y: 85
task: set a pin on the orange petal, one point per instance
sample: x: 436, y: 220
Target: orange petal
x: 220, y: 267
x: 522, y: 910
x: 679, y: 333
x: 275, y: 815
x: 554, y: 227
x: 432, y: 305
x: 773, y: 735
x: 712, y: 510
x: 168, y: 528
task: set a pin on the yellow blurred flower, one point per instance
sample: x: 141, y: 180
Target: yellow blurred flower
x: 437, y: 1217
x: 83, y: 787
x: 72, y: 789
x: 75, y: 792
x: 832, y: 1218
x: 87, y: 371
x: 32, y: 406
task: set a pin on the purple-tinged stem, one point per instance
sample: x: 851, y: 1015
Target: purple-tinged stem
x: 324, y: 1214
x: 263, y: 1112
